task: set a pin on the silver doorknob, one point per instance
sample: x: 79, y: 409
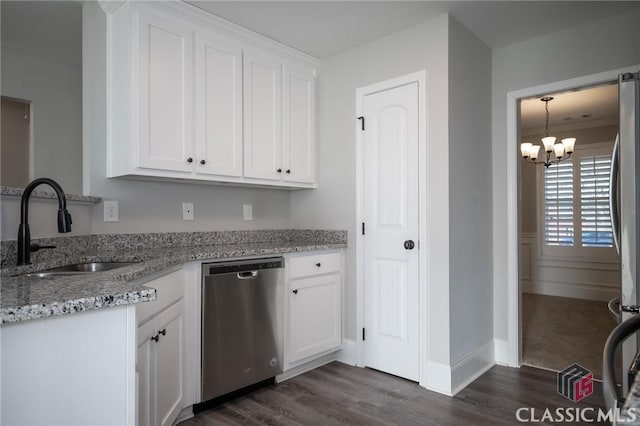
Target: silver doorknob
x: 409, y: 244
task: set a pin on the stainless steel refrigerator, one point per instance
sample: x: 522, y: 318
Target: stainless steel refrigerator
x: 625, y: 215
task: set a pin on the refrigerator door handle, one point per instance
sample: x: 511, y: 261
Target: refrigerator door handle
x: 615, y: 309
x: 612, y: 395
x: 613, y: 195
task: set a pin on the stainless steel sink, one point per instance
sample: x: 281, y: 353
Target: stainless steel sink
x: 79, y: 269
x: 90, y: 267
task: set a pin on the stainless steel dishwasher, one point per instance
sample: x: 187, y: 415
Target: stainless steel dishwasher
x: 242, y: 324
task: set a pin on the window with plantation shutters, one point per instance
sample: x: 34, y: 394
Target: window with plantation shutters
x: 558, y: 204
x: 574, y: 204
x: 594, y: 201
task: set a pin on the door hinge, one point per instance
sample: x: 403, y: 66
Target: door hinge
x: 362, y: 228
x: 361, y: 122
x: 363, y: 334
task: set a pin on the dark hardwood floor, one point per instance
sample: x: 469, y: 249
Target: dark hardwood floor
x: 338, y: 394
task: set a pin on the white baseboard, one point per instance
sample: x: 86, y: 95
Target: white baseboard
x: 307, y: 366
x: 501, y: 351
x: 185, y: 414
x: 601, y: 293
x: 472, y: 366
x: 438, y: 378
x: 348, y: 354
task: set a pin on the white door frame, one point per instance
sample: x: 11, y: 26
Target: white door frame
x: 421, y: 79
x: 514, y: 348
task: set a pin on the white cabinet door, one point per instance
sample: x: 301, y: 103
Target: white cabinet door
x: 159, y: 367
x: 298, y: 125
x: 165, y: 104
x: 262, y: 117
x: 168, y: 363
x: 314, y: 316
x: 218, y: 105
x: 146, y: 377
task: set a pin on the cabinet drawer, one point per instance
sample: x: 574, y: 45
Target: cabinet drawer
x: 169, y: 288
x: 314, y: 264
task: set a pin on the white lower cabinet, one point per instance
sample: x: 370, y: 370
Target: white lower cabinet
x: 314, y: 323
x: 160, y: 366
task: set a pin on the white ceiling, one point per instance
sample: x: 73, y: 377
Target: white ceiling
x: 323, y: 28
x: 571, y: 109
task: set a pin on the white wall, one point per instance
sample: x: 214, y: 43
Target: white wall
x: 598, y: 46
x: 470, y: 196
x: 147, y: 206
x: 55, y: 91
x: 43, y: 217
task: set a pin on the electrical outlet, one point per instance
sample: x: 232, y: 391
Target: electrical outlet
x: 247, y: 210
x: 187, y: 211
x: 110, y: 211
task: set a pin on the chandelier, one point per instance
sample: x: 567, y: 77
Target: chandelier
x: 561, y: 150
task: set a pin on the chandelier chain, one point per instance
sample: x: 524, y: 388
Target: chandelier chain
x: 546, y: 126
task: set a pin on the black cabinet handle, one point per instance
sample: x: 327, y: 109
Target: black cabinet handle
x: 288, y: 171
x: 189, y: 160
x: 318, y: 264
x: 156, y: 338
x: 203, y: 162
x: 163, y: 332
x: 295, y: 291
x: 279, y: 170
x: 409, y: 244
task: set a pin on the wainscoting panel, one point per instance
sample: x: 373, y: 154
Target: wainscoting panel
x: 591, y: 279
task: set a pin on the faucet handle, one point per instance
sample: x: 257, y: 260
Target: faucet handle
x: 36, y: 247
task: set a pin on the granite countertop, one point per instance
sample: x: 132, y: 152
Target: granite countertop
x: 25, y: 298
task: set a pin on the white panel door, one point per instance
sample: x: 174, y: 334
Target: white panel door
x: 165, y: 103
x: 391, y: 275
x: 314, y: 316
x: 262, y: 117
x: 218, y: 105
x: 298, y: 125
x: 168, y: 364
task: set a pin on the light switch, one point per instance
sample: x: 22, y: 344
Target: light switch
x: 248, y: 211
x: 187, y: 211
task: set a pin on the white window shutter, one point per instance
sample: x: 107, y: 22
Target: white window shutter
x: 594, y: 201
x: 558, y: 205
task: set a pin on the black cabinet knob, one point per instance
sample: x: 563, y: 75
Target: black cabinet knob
x: 409, y: 244
x: 288, y: 172
x: 156, y: 338
x: 279, y: 170
x: 295, y: 291
x: 318, y: 264
x: 189, y: 160
x: 163, y: 332
x: 203, y: 162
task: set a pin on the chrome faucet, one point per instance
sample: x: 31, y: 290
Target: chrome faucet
x: 24, y: 238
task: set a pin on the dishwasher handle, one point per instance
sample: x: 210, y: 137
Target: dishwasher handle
x: 247, y: 275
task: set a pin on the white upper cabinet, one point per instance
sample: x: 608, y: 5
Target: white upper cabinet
x: 191, y: 97
x: 218, y: 105
x: 262, y: 116
x: 299, y: 135
x: 165, y: 140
